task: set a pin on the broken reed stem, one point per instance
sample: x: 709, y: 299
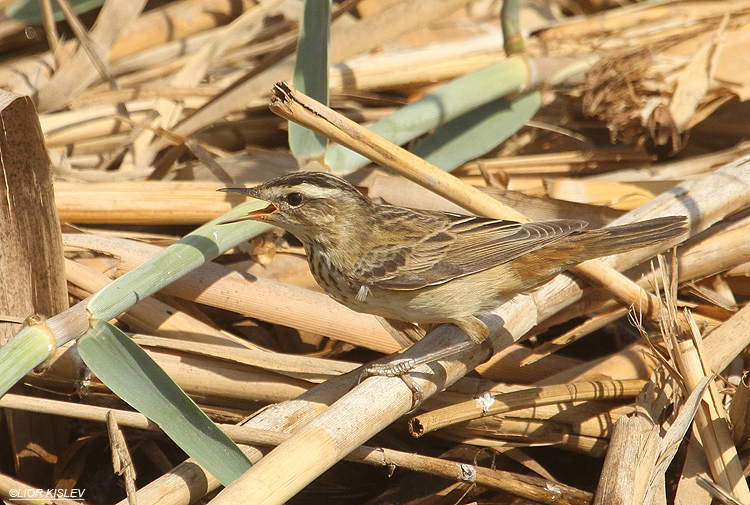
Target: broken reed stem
x: 294, y: 106
x: 633, y: 446
x: 711, y: 420
x: 531, y: 488
x: 533, y: 397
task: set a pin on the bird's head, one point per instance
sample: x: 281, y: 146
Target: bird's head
x: 305, y: 203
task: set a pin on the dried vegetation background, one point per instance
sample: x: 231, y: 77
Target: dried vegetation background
x: 177, y: 106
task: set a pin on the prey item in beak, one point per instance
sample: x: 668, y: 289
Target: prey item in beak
x: 253, y: 215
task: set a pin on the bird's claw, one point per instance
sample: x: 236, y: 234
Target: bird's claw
x: 397, y: 368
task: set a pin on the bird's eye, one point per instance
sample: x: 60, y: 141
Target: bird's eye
x: 294, y: 199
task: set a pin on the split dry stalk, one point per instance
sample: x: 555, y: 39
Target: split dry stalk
x: 641, y: 450
x: 634, y: 441
x: 739, y: 413
x: 711, y: 421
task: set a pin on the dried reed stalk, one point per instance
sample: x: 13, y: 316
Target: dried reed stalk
x: 544, y: 433
x: 597, y: 322
x: 739, y: 413
x: 711, y: 420
x: 594, y: 419
x: 507, y: 402
x: 545, y: 426
x: 135, y: 203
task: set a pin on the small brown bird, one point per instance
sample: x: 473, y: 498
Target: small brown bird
x: 427, y: 266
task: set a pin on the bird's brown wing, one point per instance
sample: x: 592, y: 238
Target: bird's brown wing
x: 464, y: 245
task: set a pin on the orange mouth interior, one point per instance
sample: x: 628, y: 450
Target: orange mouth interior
x: 266, y: 211
x: 256, y: 214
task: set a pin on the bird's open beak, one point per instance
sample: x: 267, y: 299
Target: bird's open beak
x: 257, y: 215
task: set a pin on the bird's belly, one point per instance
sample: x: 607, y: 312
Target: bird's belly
x: 460, y: 297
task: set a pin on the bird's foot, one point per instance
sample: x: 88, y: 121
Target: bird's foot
x: 397, y: 368
x: 401, y: 368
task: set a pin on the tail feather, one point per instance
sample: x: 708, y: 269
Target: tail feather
x: 619, y: 239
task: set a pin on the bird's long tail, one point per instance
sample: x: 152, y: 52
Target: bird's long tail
x: 619, y: 239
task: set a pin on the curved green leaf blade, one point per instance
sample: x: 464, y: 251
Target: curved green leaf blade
x: 311, y: 74
x: 132, y: 375
x: 477, y: 132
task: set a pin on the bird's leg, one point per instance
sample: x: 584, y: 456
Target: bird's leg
x: 475, y: 329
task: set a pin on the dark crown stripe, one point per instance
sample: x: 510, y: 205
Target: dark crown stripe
x: 319, y: 179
